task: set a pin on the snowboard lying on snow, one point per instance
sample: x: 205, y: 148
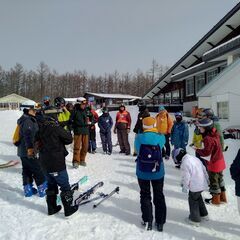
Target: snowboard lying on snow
x: 10, y: 163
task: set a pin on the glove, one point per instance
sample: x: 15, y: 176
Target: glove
x: 115, y: 130
x: 128, y: 130
x: 184, y: 190
x: 30, y: 153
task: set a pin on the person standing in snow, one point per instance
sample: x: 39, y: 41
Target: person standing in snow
x: 235, y: 174
x: 143, y: 112
x: 122, y: 128
x: 213, y: 152
x: 53, y: 139
x: 179, y: 133
x: 194, y: 181
x: 164, y: 126
x: 80, y: 124
x: 27, y: 150
x: 105, y: 124
x: 150, y: 171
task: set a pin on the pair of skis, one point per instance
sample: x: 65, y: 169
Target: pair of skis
x: 10, y: 163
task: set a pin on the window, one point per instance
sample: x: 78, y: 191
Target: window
x: 211, y: 74
x: 189, y: 86
x: 222, y: 110
x: 222, y: 67
x: 199, y: 81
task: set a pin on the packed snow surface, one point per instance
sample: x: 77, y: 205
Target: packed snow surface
x: 117, y: 218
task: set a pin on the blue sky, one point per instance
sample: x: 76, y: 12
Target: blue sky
x: 103, y: 35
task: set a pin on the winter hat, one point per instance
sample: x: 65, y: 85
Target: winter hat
x: 205, y: 122
x: 178, y: 154
x: 149, y: 122
x: 208, y: 112
x: 82, y: 100
x: 161, y: 108
x: 178, y: 114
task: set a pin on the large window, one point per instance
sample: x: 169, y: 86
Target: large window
x: 223, y: 110
x: 211, y: 74
x: 189, y: 86
x: 199, y: 81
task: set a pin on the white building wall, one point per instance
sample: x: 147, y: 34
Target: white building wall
x: 204, y: 102
x: 188, y: 106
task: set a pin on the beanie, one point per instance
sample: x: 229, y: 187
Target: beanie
x: 149, y: 122
x: 205, y: 122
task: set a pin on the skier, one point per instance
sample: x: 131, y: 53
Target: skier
x: 80, y: 124
x: 235, y: 174
x: 150, y: 171
x: 143, y: 112
x: 164, y: 126
x: 105, y: 124
x: 179, y: 133
x: 122, y: 128
x: 27, y: 151
x: 212, y: 150
x: 194, y: 181
x: 53, y: 139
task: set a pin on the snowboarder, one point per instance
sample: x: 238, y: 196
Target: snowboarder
x: 53, y: 139
x: 179, y: 133
x: 194, y: 181
x: 150, y: 171
x: 122, y: 128
x: 212, y: 152
x: 27, y: 150
x: 164, y: 126
x: 105, y: 124
x: 235, y: 174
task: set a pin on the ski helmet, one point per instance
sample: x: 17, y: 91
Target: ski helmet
x: 59, y: 101
x: 206, y: 123
x: 82, y: 100
x: 46, y: 100
x: 209, y: 112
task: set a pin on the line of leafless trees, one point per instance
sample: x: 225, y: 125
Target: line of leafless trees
x: 44, y: 81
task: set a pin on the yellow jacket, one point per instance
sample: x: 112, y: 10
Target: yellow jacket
x: 164, y: 122
x: 197, y: 140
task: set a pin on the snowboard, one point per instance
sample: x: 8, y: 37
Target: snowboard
x: 10, y: 163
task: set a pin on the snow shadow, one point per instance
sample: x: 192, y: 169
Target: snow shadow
x: 15, y: 196
x: 9, y: 157
x: 8, y: 143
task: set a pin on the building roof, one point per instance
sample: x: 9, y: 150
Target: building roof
x: 113, y: 95
x: 221, y: 30
x: 13, y: 98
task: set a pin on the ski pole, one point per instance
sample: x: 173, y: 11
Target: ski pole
x: 116, y: 190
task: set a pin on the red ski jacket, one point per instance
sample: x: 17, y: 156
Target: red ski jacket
x: 124, y: 117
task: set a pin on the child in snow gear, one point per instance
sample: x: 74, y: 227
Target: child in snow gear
x: 212, y: 150
x: 122, y: 128
x: 143, y: 112
x: 194, y: 181
x: 105, y: 124
x: 31, y: 169
x: 80, y: 124
x: 179, y: 133
x: 164, y: 126
x: 235, y: 174
x: 52, y: 153
x: 150, y: 171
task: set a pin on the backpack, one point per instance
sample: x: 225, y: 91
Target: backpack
x: 149, y: 158
x: 16, y: 136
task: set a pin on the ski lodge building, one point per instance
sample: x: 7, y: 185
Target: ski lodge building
x: 208, y: 75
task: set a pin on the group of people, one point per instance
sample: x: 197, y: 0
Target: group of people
x: 47, y: 130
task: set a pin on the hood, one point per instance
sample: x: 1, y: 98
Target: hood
x: 22, y: 119
x: 151, y: 130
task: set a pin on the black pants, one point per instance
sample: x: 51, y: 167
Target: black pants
x: 196, y: 206
x: 31, y: 170
x: 158, y: 200
x: 123, y: 140
x: 92, y: 146
x: 106, y: 139
x: 167, y: 146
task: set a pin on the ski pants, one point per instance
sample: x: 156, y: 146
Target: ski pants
x: 92, y: 145
x: 80, y: 148
x: 196, y: 206
x: 106, y: 139
x: 217, y: 184
x: 122, y: 136
x: 31, y: 170
x: 167, y: 146
x: 58, y: 179
x: 158, y: 200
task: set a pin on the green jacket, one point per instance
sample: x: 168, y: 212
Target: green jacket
x: 219, y: 130
x: 79, y: 121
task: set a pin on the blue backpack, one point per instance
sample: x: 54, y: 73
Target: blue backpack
x: 149, y: 158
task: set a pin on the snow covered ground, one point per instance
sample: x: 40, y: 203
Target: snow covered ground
x: 119, y: 217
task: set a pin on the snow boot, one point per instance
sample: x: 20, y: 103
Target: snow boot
x: 52, y: 202
x: 223, y: 197
x: 42, y: 189
x: 67, y: 199
x: 27, y: 190
x: 147, y: 225
x: 159, y: 227
x: 216, y: 199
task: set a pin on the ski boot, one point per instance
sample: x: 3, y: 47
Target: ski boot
x: 67, y: 199
x: 52, y: 202
x: 27, y: 190
x: 42, y: 189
